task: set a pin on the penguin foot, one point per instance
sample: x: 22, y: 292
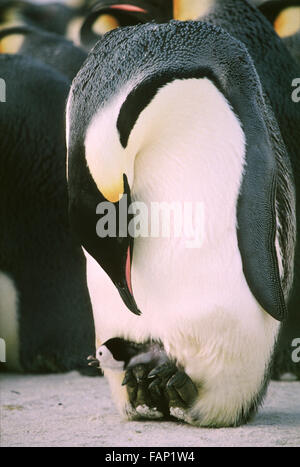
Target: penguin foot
x: 157, y: 388
x: 177, y: 387
x: 145, y: 403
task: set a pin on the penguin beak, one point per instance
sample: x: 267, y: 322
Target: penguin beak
x: 128, y: 299
x: 125, y: 287
x: 128, y: 8
x: 93, y: 361
x: 113, y: 253
x: 113, y: 15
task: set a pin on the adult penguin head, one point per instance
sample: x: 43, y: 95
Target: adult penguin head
x: 98, y: 211
x: 111, y: 14
x: 50, y: 48
x: 53, y: 16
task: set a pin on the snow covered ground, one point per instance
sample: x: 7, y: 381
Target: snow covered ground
x: 73, y: 410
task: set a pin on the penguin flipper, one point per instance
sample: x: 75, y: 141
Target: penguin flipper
x: 266, y: 221
x: 256, y: 230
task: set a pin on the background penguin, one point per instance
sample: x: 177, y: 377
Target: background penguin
x: 110, y: 14
x: 167, y: 94
x: 284, y: 15
x: 277, y: 71
x: 52, y: 49
x: 55, y: 17
x: 45, y: 311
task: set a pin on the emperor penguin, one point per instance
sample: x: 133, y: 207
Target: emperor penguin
x: 50, y: 48
x: 57, y: 17
x: 45, y: 312
x: 175, y: 114
x: 110, y: 14
x: 277, y: 71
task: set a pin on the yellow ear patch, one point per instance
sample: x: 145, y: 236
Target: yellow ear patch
x: 185, y: 10
x: 73, y: 29
x: 11, y: 44
x: 112, y: 192
x: 104, y: 24
x: 288, y: 22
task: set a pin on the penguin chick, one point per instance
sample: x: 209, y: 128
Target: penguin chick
x: 119, y: 354
x: 115, y: 354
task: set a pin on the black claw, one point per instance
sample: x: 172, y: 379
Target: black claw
x: 154, y: 389
x: 184, y: 387
x: 178, y: 380
x: 164, y: 371
x: 131, y: 385
x: 127, y: 378
x: 140, y: 372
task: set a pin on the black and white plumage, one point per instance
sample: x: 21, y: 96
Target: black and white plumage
x: 115, y: 354
x: 45, y: 311
x: 167, y: 102
x: 118, y: 354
